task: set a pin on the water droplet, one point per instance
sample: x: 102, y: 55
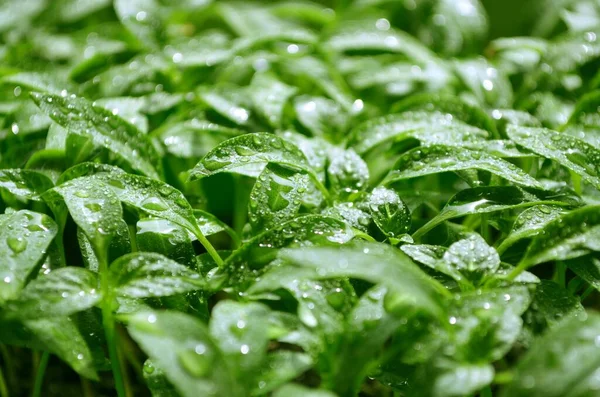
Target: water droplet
x: 16, y: 244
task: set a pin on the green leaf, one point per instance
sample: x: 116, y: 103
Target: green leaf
x: 321, y: 116
x: 439, y: 158
x: 166, y: 238
x: 145, y: 275
x: 578, y: 156
x: 283, y: 366
x: 142, y: 18
x: 483, y: 200
x: 348, y: 173
x: 427, y: 127
x: 278, y: 195
x: 563, y: 362
x: 103, y: 130
x: 25, y: 184
x: 61, y: 292
x: 248, y: 155
x: 553, y: 304
x: 569, y: 236
x: 93, y: 207
x: 530, y: 223
x: 269, y: 97
x: 157, y: 381
x: 390, y: 213
x: 472, y: 258
x: 183, y: 348
x: 238, y: 330
x: 374, y: 262
x: 26, y: 236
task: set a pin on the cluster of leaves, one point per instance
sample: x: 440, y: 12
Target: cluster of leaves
x: 299, y: 199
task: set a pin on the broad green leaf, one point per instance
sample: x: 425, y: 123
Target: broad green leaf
x: 563, y: 362
x: 278, y: 195
x: 453, y: 105
x: 463, y: 28
x: 61, y: 336
x: 488, y: 84
x: 269, y: 97
x: 94, y: 208
x: 472, y: 258
x: 429, y: 128
x: 238, y: 330
x: 248, y: 154
x: 347, y: 172
x: 321, y: 116
x: 485, y: 324
x: 447, y: 378
x: 587, y: 268
x: 374, y: 262
x: 228, y: 102
x: 183, y: 348
x: 128, y: 108
x: 439, y: 158
x: 482, y: 200
x: 25, y: 184
x: 87, y: 169
x: 194, y: 138
x: 166, y: 238
x: 145, y: 274
x: 283, y: 367
x: 578, y: 156
x: 61, y: 292
x: 143, y: 18
x: 389, y: 212
x: 569, y: 236
x: 103, y: 129
x: 151, y: 197
x: 552, y: 304
x: 157, y: 381
x: 210, y: 224
x: 354, y: 215
x: 25, y: 238
x: 367, y: 37
x: 44, y: 82
x: 531, y: 222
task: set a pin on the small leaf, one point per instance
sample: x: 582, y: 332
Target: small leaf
x: 61, y: 292
x: 25, y: 184
x: 472, y: 258
x: 438, y: 158
x: 166, y: 238
x: 374, y: 262
x: 238, y: 330
x: 283, y: 367
x: 249, y: 154
x: 483, y: 200
x: 428, y: 127
x: 157, y: 381
x: 563, y: 362
x: 553, y: 304
x: 142, y: 18
x: 578, y: 156
x: 278, y: 195
x: 348, y: 173
x: 145, y: 274
x: 530, y: 223
x: 389, y: 212
x: 269, y: 97
x: 24, y: 239
x: 93, y: 207
x: 569, y: 236
x: 103, y: 129
x: 183, y: 348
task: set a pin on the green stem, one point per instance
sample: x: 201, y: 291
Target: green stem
x: 108, y: 322
x: 485, y: 230
x: 86, y: 387
x: 209, y: 248
x: 504, y: 377
x: 576, y: 179
x: 587, y: 292
x: 39, y: 376
x: 3, y: 388
x: 560, y: 274
x: 240, y: 204
x: 517, y: 270
x: 321, y: 188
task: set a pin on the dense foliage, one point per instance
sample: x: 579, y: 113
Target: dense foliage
x: 374, y: 197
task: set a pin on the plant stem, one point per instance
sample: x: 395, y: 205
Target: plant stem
x: 3, y: 388
x: 560, y: 274
x: 86, y: 387
x: 517, y: 270
x: 209, y: 248
x: 240, y: 204
x: 39, y: 376
x: 108, y: 322
x: 486, y: 392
